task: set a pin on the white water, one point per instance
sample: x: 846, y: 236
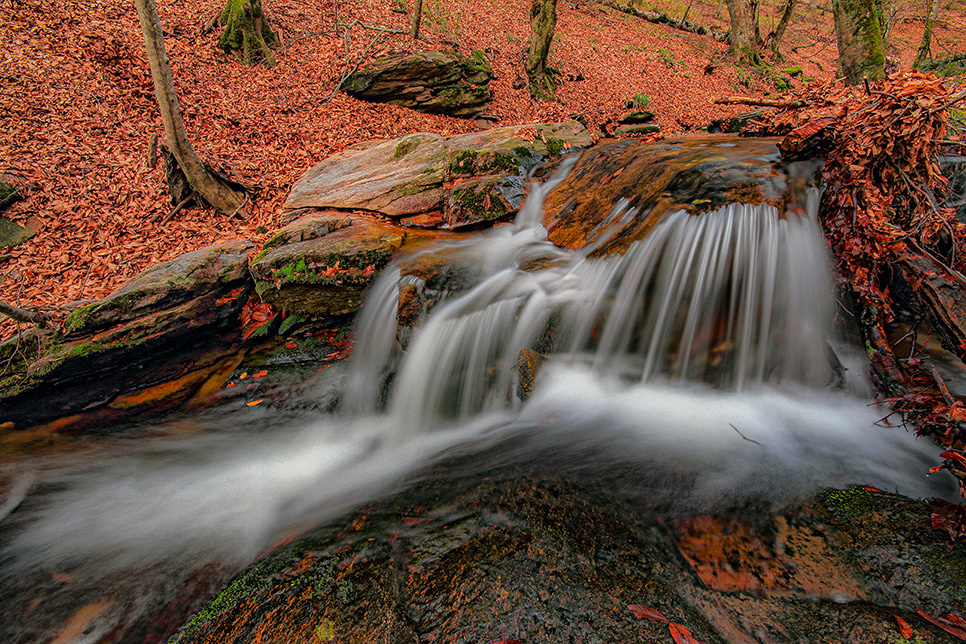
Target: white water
x: 699, y: 355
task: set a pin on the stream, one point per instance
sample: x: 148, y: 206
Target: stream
x: 705, y: 355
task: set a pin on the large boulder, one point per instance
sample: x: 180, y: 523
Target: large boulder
x: 434, y: 81
x: 530, y: 553
x: 140, y: 346
x: 696, y: 175
x: 422, y: 173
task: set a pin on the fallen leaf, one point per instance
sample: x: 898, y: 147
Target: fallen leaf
x: 950, y: 517
x: 255, y: 402
x: 682, y: 635
x: 646, y: 613
x: 904, y: 629
x: 949, y: 628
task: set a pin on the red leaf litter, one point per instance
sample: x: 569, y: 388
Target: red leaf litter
x: 78, y: 110
x: 646, y: 612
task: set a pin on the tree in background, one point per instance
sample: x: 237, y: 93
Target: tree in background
x: 745, y: 35
x: 859, y: 37
x: 543, y: 20
x: 926, y: 44
x: 775, y: 38
x: 417, y: 17
x: 216, y: 191
x: 247, y: 33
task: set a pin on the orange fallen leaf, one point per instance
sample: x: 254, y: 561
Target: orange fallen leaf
x: 254, y: 402
x: 682, y: 635
x: 291, y: 345
x: 949, y: 628
x: 646, y: 613
x: 904, y: 629
x: 260, y: 374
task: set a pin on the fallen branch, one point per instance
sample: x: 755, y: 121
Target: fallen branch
x: 764, y: 102
x: 183, y: 203
x: 23, y: 315
x: 664, y: 19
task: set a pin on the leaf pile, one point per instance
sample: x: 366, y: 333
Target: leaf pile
x: 882, y: 216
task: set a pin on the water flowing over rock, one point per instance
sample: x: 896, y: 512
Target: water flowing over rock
x: 433, y: 81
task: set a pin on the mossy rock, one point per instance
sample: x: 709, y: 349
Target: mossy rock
x: 484, y: 201
x: 638, y: 117
x: 637, y: 130
x: 325, y: 275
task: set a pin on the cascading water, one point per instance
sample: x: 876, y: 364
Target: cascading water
x: 703, y: 355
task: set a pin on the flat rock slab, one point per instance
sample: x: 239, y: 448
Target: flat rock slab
x: 327, y: 269
x: 410, y: 175
x: 156, y: 328
x: 530, y: 553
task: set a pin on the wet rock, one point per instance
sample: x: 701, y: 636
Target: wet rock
x: 631, y: 130
x: 661, y: 177
x: 157, y: 340
x: 530, y: 552
x: 434, y: 81
x: 327, y: 271
x: 405, y: 177
x: 637, y: 118
x: 480, y: 202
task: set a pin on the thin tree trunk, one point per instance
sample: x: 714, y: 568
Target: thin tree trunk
x: 926, y: 44
x: 247, y: 33
x: 543, y: 20
x: 216, y: 192
x: 417, y: 18
x: 786, y: 18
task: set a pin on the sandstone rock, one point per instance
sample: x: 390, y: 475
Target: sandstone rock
x: 213, y: 270
x: 325, y: 273
x: 480, y: 202
x: 691, y: 174
x: 405, y: 176
x: 433, y: 81
x: 400, y: 177
x: 157, y: 340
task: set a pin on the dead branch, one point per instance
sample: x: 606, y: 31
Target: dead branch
x: 764, y: 102
x: 664, y: 19
x: 181, y: 205
x: 23, y: 315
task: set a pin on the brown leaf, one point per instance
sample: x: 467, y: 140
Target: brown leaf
x: 682, y: 635
x: 904, y: 627
x: 949, y: 628
x: 646, y: 613
x: 950, y: 517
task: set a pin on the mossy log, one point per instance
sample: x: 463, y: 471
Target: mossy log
x: 247, y: 35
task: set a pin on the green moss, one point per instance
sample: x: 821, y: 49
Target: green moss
x: 78, y: 318
x: 792, y: 71
x: 6, y: 191
x: 555, y: 147
x: 464, y: 163
x: 325, y: 632
x: 851, y: 503
x: 404, y: 147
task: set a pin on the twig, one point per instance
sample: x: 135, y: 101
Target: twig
x: 181, y: 205
x: 766, y: 102
x: 248, y: 198
x: 750, y: 440
x: 23, y: 315
x: 942, y: 385
x: 345, y: 75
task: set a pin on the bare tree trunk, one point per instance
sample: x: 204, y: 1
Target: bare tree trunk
x: 859, y: 37
x: 543, y: 20
x: 926, y: 44
x: 745, y: 36
x: 786, y: 18
x: 417, y: 18
x: 247, y: 33
x: 212, y: 189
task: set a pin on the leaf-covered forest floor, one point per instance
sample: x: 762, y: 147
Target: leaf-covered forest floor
x: 78, y: 108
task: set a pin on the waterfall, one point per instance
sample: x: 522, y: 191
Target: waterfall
x: 736, y: 298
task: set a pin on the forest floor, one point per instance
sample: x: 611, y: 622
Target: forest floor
x: 77, y: 103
